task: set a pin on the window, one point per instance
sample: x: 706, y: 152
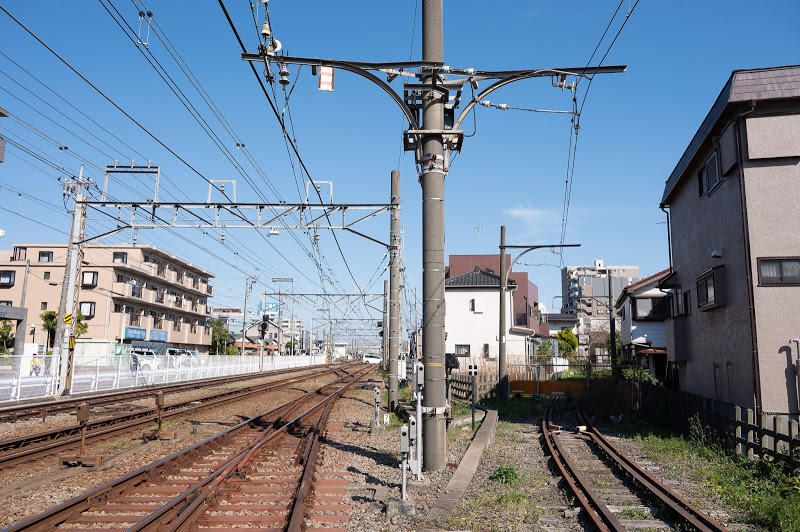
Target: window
x: 20, y: 253
x: 87, y: 309
x: 709, y: 289
x: 708, y: 177
x: 46, y: 276
x: 5, y: 303
x: 118, y: 308
x: 784, y: 271
x: 121, y: 278
x: 650, y: 308
x: 45, y: 256
x: 43, y: 306
x: 462, y: 350
x: 7, y: 278
x: 476, y: 306
x: 88, y: 279
x: 120, y: 257
x: 136, y: 318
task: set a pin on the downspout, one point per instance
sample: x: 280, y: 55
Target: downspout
x: 750, y: 297
x: 669, y: 241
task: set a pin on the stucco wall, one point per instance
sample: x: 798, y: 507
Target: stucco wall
x: 773, y: 188
x: 463, y: 326
x: 715, y: 344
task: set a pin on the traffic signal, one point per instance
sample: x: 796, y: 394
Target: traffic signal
x: 379, y: 324
x: 263, y: 327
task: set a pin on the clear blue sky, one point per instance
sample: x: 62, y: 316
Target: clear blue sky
x: 634, y: 125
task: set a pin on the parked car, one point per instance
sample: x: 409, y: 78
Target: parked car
x: 148, y: 356
x: 183, y: 358
x: 370, y: 359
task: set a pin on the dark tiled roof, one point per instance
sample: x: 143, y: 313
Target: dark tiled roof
x: 743, y: 86
x: 476, y: 278
x: 561, y: 317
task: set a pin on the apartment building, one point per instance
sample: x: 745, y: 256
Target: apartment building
x: 734, y: 333
x: 584, y: 294
x: 126, y: 293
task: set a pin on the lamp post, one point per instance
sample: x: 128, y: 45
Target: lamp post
x: 502, y: 369
x: 291, y: 316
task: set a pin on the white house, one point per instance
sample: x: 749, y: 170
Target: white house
x: 643, y: 307
x: 472, y: 321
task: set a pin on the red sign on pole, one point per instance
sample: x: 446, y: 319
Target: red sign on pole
x: 326, y: 79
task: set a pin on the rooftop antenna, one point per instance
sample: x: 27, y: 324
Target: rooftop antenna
x: 479, y: 229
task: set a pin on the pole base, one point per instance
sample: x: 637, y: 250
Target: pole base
x: 159, y: 435
x: 85, y: 461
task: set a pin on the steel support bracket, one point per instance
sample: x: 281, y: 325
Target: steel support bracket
x: 451, y: 137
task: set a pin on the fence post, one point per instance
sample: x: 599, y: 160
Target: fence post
x: 96, y: 373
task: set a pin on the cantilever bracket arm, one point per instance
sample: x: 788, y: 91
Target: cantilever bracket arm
x: 531, y: 248
x: 527, y: 74
x: 357, y: 68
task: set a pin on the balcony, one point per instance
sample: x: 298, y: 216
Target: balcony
x: 209, y: 290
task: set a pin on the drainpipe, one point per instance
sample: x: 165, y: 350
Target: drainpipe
x: 748, y: 262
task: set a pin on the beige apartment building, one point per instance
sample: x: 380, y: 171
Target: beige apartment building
x: 125, y: 292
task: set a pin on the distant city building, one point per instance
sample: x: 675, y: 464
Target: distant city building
x: 584, y: 294
x: 735, y: 234
x: 125, y: 293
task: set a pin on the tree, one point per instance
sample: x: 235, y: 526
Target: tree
x: 545, y: 349
x: 288, y: 346
x: 567, y: 344
x: 6, y: 336
x: 597, y: 339
x: 220, y: 337
x: 50, y: 322
x: 81, y: 327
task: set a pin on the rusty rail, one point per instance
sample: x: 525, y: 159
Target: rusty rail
x: 24, y: 448
x: 181, y: 510
x: 679, y: 506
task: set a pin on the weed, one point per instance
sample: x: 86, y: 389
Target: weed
x: 505, y: 474
x: 639, y: 514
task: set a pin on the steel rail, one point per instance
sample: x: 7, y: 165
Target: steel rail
x: 686, y: 511
x: 238, y: 466
x: 595, y: 508
x: 23, y: 448
x: 58, y: 514
x: 38, y: 408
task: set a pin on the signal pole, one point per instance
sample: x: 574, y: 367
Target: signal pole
x: 249, y: 280
x: 502, y: 370
x: 432, y: 181
x: 394, y: 288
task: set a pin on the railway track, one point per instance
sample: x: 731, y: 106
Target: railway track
x: 614, y: 492
x: 260, y: 473
x: 45, y: 408
x: 33, y: 446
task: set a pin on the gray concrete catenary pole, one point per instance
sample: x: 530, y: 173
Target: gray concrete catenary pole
x: 385, y: 326
x: 612, y: 324
x: 394, y: 288
x: 502, y: 370
x: 432, y: 180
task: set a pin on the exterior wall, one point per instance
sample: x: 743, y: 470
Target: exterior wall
x: 713, y: 348
x: 462, y: 326
x: 772, y: 187
x: 189, y: 307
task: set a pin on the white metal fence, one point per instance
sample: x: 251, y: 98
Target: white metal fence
x: 102, y: 366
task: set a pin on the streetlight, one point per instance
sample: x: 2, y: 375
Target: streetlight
x: 291, y: 318
x: 503, y: 383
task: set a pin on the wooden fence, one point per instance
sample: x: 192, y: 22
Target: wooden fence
x: 735, y: 427
x: 461, y: 386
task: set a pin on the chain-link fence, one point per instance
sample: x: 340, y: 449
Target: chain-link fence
x: 103, y: 366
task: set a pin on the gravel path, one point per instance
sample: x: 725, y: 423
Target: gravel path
x: 33, y: 487
x: 372, y: 461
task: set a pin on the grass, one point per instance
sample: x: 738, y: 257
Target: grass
x: 114, y: 445
x: 505, y: 474
x: 757, y: 492
x: 639, y: 514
